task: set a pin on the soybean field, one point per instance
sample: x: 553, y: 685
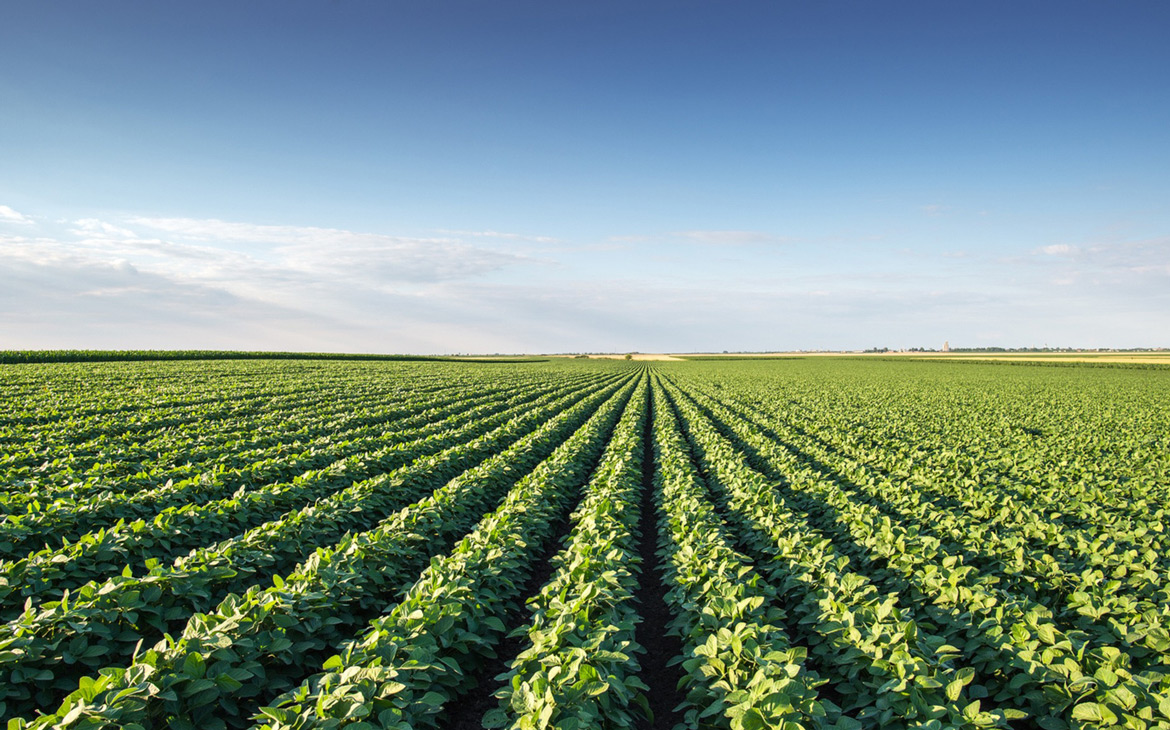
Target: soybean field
x: 830, y: 543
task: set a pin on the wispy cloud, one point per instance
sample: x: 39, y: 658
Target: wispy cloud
x: 187, y: 282
x: 705, y: 237
x: 369, y: 287
x: 732, y: 238
x: 95, y: 227
x: 499, y: 235
x: 372, y: 259
x: 629, y: 239
x: 8, y: 215
x: 212, y: 229
x: 1109, y: 257
x: 78, y: 303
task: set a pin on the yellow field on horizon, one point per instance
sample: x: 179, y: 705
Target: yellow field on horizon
x: 1157, y: 358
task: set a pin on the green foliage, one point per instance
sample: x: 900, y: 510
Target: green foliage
x: 578, y: 668
x: 62, y: 356
x: 741, y: 670
x: 421, y: 655
x: 125, y: 609
x: 846, y: 544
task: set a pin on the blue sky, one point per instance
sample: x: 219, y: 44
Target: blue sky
x: 534, y: 176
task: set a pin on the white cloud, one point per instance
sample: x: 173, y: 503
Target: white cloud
x: 363, y: 288
x: 629, y: 239
x: 497, y: 234
x: 370, y: 259
x: 8, y: 215
x: 212, y: 229
x: 182, y: 282
x: 95, y: 227
x: 731, y: 238
x: 76, y: 303
x: 1122, y: 262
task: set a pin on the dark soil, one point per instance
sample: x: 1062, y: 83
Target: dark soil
x: 661, y: 648
x: 467, y: 712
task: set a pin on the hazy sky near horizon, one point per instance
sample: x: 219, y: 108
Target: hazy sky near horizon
x: 567, y: 176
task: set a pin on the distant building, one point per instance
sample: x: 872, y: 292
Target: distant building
x: 946, y: 346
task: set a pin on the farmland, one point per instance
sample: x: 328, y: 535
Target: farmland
x: 820, y: 543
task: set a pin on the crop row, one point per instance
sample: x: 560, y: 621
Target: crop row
x: 274, y: 431
x: 70, y: 520
x: 271, y: 638
x: 116, y: 613
x: 578, y: 668
x: 179, y: 529
x: 797, y: 544
x: 1020, y: 657
x: 60, y: 462
x: 1094, y: 530
x: 90, y: 448
x: 1106, y: 584
x: 412, y: 663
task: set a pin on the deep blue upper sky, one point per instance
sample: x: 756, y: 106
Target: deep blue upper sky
x: 896, y: 158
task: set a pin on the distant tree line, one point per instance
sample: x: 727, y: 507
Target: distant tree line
x: 46, y: 356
